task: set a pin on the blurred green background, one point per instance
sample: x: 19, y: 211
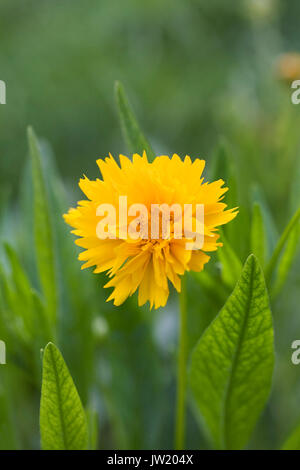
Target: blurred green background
x: 196, y: 73
x: 190, y: 68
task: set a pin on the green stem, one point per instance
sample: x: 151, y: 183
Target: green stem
x: 181, y: 372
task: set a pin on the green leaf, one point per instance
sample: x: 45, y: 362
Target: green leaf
x: 295, y: 187
x: 232, y: 364
x: 293, y: 441
x: 221, y: 166
x: 63, y: 422
x: 8, y: 439
x: 23, y: 292
x: 12, y: 309
x: 257, y: 240
x: 211, y: 285
x: 5, y: 195
x: 269, y: 224
x: 43, y: 331
x: 21, y: 281
x: 133, y: 136
x: 231, y: 265
x: 286, y: 260
x: 43, y: 230
x: 291, y: 226
x: 92, y: 419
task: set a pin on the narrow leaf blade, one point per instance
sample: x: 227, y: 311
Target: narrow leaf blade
x: 291, y: 226
x: 232, y: 364
x: 257, y: 239
x: 286, y: 260
x: 63, y: 422
x: 42, y: 228
x: 293, y: 441
x: 295, y: 187
x: 92, y: 420
x: 258, y: 197
x: 231, y: 265
x: 8, y: 439
x: 133, y: 136
x: 211, y: 285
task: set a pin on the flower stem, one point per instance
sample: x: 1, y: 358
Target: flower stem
x: 181, y: 372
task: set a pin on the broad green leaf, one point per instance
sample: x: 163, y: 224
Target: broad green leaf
x: 232, y: 364
x: 42, y: 227
x: 63, y: 422
x: 231, y: 265
x: 291, y: 226
x: 133, y: 136
x: 257, y: 240
x: 293, y: 441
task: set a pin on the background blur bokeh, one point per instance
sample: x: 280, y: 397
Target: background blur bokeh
x: 190, y: 68
x: 196, y: 73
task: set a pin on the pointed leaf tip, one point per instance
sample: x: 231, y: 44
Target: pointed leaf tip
x: 44, y: 241
x: 232, y: 364
x: 132, y: 133
x: 63, y: 422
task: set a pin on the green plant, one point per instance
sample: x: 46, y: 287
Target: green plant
x: 230, y: 353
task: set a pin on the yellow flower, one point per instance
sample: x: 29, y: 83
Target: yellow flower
x: 146, y: 263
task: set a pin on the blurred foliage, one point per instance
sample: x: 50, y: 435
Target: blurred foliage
x: 202, y: 80
x: 191, y: 68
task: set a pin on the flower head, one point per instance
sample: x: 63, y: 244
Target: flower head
x: 136, y: 252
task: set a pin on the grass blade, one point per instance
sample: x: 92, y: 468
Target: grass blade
x: 257, y: 239
x: 43, y: 229
x: 231, y: 265
x: 293, y: 441
x: 292, y: 225
x: 8, y: 439
x: 133, y: 136
x: 269, y: 224
x: 286, y: 260
x: 92, y: 419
